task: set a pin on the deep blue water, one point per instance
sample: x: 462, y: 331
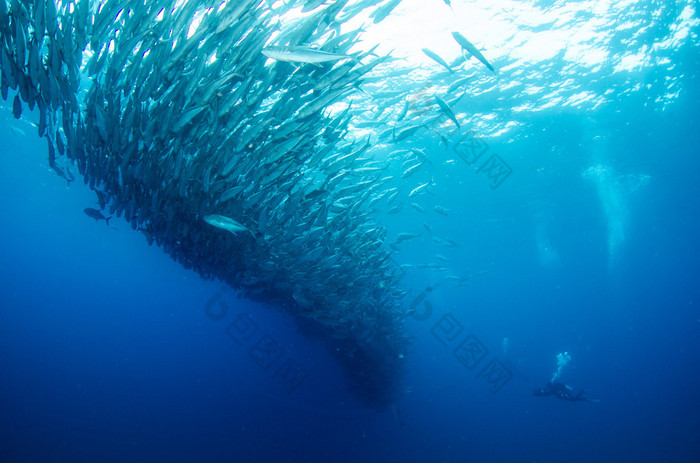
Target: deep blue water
x: 107, y: 353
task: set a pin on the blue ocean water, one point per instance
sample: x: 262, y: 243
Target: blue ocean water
x: 112, y: 352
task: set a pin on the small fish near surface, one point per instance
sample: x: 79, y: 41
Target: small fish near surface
x: 406, y: 132
x: 447, y: 110
x: 302, y: 54
x: 383, y: 11
x: 435, y: 57
x: 468, y: 46
x: 95, y: 214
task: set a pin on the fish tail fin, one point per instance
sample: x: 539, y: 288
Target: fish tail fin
x: 255, y: 237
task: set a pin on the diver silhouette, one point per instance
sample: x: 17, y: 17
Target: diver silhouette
x: 562, y: 391
x: 558, y: 389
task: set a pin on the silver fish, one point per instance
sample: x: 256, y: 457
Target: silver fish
x: 301, y: 54
x: 468, y: 46
x: 225, y: 223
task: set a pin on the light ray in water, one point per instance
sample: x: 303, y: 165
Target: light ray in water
x: 613, y: 192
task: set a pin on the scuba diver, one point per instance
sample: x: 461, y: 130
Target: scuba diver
x: 558, y: 389
x: 562, y: 391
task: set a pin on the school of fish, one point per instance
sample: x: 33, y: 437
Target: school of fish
x: 207, y: 125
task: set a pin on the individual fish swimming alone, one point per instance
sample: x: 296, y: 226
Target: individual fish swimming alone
x: 468, y: 46
x: 301, y: 54
x: 95, y: 214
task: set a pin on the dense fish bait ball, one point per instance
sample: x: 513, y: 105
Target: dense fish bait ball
x: 207, y: 129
